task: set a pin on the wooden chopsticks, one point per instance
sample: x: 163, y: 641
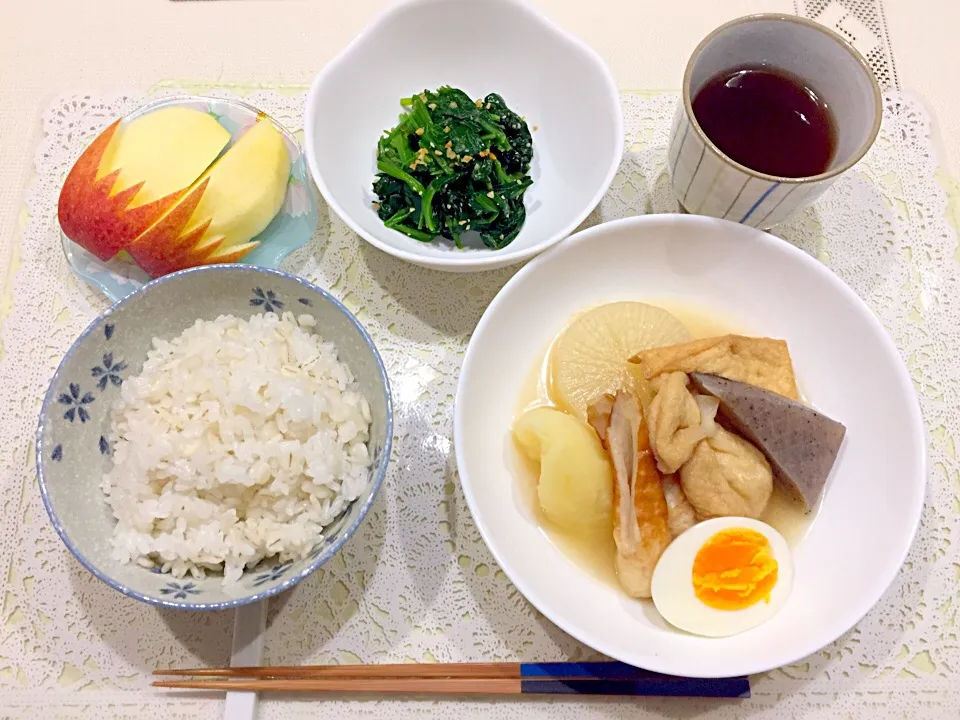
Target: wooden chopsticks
x: 596, y: 678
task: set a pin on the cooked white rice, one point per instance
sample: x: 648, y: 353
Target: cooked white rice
x: 239, y: 440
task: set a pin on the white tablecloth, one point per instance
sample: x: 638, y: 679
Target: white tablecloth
x: 49, y: 47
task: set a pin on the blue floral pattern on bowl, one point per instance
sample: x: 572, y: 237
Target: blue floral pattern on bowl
x: 180, y: 590
x: 76, y: 403
x: 73, y: 437
x: 109, y: 371
x: 292, y: 228
x: 273, y: 574
x: 266, y: 300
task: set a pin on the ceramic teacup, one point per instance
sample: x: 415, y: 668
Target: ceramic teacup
x: 708, y: 182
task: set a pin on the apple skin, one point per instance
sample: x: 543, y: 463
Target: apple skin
x: 161, y: 249
x: 95, y: 220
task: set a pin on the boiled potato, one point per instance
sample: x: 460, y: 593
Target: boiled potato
x: 576, y: 483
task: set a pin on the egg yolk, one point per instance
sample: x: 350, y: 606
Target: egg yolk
x: 734, y: 569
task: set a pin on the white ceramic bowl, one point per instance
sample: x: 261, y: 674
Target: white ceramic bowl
x: 845, y: 363
x: 481, y: 46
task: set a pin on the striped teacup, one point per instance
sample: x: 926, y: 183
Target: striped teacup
x: 706, y: 181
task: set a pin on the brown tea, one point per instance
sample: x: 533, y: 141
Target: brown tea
x: 768, y: 120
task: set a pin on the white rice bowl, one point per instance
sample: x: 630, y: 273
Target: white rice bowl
x: 239, y: 440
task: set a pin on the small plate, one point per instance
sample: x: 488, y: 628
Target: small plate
x: 846, y: 365
x: 292, y: 228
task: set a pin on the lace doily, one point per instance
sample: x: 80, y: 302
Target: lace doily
x: 417, y: 583
x: 863, y: 24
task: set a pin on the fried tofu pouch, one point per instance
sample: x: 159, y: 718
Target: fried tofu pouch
x: 640, y: 528
x: 763, y: 362
x: 727, y: 476
x: 675, y: 423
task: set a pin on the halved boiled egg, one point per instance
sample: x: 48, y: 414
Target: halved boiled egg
x: 723, y: 576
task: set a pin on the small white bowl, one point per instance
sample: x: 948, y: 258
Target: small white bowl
x: 559, y: 84
x: 846, y: 365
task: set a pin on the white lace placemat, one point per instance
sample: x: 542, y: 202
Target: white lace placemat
x: 416, y: 583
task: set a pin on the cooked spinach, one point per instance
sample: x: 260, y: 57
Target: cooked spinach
x: 453, y: 165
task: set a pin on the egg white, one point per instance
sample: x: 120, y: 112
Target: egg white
x: 672, y: 583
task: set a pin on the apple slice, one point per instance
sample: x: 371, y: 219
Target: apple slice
x: 169, y: 148
x: 131, y: 175
x: 180, y: 250
x: 232, y: 253
x: 230, y: 204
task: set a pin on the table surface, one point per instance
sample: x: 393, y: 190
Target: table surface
x: 53, y: 46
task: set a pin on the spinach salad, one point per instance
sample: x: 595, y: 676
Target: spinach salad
x: 453, y: 165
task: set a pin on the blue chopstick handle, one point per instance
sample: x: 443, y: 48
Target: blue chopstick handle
x: 664, y: 686
x: 616, y: 678
x: 596, y: 670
